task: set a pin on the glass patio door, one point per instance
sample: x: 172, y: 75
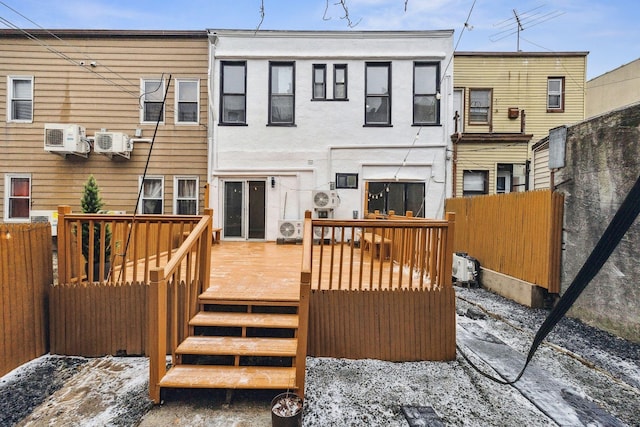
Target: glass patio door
x: 244, y: 209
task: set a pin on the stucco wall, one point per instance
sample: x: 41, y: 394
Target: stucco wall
x: 602, y: 164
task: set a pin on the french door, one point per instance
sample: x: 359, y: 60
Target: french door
x: 244, y: 209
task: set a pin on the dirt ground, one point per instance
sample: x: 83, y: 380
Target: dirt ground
x: 110, y: 391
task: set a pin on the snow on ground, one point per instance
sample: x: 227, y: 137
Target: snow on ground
x: 70, y: 391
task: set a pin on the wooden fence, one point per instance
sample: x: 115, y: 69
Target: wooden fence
x: 517, y: 234
x: 393, y: 303
x: 397, y: 325
x: 26, y: 271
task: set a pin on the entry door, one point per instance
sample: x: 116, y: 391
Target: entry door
x: 244, y: 209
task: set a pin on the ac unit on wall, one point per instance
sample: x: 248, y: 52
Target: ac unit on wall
x: 290, y: 229
x: 65, y: 139
x: 320, y: 232
x: 465, y: 269
x: 324, y: 199
x: 110, y: 143
x: 46, y: 216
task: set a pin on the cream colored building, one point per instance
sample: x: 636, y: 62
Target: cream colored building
x: 614, y: 89
x: 81, y: 102
x: 505, y: 102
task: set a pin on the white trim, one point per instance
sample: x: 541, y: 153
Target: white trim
x: 142, y: 98
x: 175, y: 191
x: 161, y: 178
x: 7, y: 186
x: 10, y: 80
x: 177, y: 101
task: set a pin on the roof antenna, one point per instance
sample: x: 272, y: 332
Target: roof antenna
x: 523, y: 20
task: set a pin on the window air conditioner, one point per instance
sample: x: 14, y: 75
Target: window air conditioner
x: 323, y: 199
x: 465, y: 269
x: 290, y: 229
x: 46, y: 216
x: 110, y: 143
x: 65, y: 139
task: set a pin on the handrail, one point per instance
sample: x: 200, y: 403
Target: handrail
x: 384, y: 252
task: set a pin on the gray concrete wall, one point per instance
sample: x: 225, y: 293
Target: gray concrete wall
x: 602, y: 164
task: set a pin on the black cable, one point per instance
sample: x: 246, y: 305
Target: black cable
x: 144, y: 174
x: 621, y: 222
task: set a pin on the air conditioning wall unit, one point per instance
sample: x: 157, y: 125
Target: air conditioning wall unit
x: 63, y: 139
x: 289, y: 230
x: 112, y: 143
x: 325, y: 199
x: 46, y: 216
x: 465, y: 269
x: 320, y: 232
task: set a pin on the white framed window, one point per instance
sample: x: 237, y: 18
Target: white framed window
x: 233, y: 90
x: 152, y: 198
x: 17, y: 200
x: 185, y: 195
x: 555, y: 94
x: 151, y: 97
x: 378, y: 94
x: 282, y: 93
x: 20, y: 99
x: 480, y: 106
x: 187, y: 101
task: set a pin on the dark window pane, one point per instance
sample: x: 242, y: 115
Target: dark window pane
x: 377, y: 110
x: 188, y: 112
x: 282, y: 109
x: 424, y: 109
x: 152, y: 110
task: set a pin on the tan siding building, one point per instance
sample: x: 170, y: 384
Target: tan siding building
x: 103, y: 81
x: 614, y: 89
x: 505, y: 102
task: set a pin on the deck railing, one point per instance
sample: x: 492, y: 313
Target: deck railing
x: 385, y: 253
x: 185, y: 276
x: 123, y: 248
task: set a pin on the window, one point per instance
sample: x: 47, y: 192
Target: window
x: 233, y: 84
x: 185, y: 190
x: 555, y: 94
x: 152, y: 195
x: 18, y: 197
x: 346, y: 180
x: 340, y: 81
x: 426, y: 105
x: 479, y: 106
x: 319, y: 81
x: 281, y: 93
x: 151, y: 98
x: 399, y: 197
x: 475, y: 182
x: 20, y: 99
x: 378, y: 93
x: 187, y: 101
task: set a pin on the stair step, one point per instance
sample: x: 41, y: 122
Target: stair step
x: 231, y: 377
x: 238, y: 346
x: 245, y: 295
x: 249, y: 320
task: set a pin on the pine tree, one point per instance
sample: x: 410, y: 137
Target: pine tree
x: 91, y: 203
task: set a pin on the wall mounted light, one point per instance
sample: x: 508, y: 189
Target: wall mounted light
x: 273, y: 182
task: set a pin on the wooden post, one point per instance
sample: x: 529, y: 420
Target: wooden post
x: 205, y: 260
x: 64, y: 247
x: 157, y: 331
x: 448, y: 250
x: 303, y: 332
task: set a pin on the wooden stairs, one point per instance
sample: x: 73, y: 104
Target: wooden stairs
x: 245, y: 340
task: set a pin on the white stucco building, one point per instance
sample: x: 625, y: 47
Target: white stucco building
x: 363, y: 117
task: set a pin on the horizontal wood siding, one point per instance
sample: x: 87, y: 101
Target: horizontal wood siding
x: 517, y: 234
x: 396, y: 325
x: 26, y: 271
x: 521, y: 82
x: 103, y: 97
x: 541, y: 172
x: 486, y: 156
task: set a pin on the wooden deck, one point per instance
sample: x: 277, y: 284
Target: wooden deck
x: 272, y: 271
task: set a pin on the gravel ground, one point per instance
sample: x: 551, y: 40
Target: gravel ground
x: 70, y: 391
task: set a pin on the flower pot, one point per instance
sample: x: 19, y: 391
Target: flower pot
x: 286, y: 410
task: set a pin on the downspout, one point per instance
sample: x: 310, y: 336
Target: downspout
x: 211, y: 119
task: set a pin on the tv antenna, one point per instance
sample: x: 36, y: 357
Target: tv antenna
x: 521, y: 21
